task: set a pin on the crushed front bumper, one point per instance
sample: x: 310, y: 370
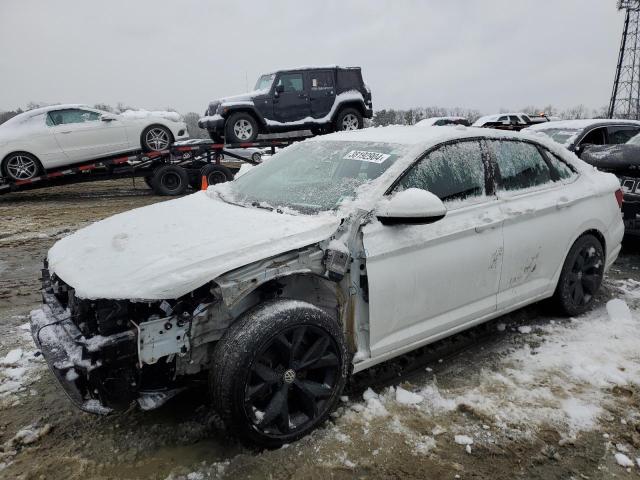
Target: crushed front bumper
x: 84, y: 367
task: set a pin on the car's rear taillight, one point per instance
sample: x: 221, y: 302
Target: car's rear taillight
x: 619, y: 197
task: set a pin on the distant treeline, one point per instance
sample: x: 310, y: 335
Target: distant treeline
x: 380, y: 118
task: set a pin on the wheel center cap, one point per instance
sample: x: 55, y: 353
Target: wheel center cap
x: 289, y: 376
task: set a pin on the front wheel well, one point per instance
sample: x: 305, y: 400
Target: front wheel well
x: 249, y: 111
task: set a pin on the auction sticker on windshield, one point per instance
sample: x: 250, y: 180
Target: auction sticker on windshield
x: 373, y: 157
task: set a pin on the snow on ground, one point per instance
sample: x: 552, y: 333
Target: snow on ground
x: 561, y: 378
x: 19, y: 366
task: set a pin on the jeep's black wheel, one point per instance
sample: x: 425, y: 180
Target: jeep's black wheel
x: 216, y: 174
x: 349, y: 119
x: 241, y: 127
x: 581, y: 276
x: 215, y: 136
x: 278, y: 372
x: 170, y: 180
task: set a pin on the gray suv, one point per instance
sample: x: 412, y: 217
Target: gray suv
x: 321, y: 99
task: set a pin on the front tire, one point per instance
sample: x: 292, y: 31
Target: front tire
x: 349, y: 119
x: 156, y: 138
x: 21, y: 166
x: 581, y: 276
x: 278, y: 372
x: 241, y: 127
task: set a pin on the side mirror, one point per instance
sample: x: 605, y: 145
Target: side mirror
x: 279, y: 88
x: 411, y: 207
x: 107, y: 117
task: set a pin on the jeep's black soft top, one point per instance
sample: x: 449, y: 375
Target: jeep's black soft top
x: 347, y: 78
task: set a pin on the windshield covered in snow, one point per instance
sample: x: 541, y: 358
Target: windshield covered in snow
x: 265, y: 81
x: 563, y: 136
x: 315, y: 176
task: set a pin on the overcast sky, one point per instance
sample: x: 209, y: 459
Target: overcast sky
x: 481, y: 54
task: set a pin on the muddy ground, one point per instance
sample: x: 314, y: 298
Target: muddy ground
x: 179, y: 441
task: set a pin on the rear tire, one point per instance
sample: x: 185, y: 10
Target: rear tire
x: 241, y: 127
x: 278, y: 372
x: 349, y: 119
x: 581, y: 276
x: 21, y: 166
x: 170, y: 180
x: 216, y: 174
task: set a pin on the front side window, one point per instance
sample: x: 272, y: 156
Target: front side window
x: 453, y: 172
x: 74, y: 115
x: 595, y: 137
x: 620, y: 135
x: 292, y: 82
x: 321, y: 80
x: 520, y: 165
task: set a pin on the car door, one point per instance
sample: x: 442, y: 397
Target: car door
x: 322, y: 92
x: 537, y: 199
x: 427, y: 281
x: 82, y: 134
x: 292, y: 101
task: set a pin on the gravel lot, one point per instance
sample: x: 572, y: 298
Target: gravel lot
x: 487, y: 404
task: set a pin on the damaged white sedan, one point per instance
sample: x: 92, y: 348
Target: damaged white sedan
x: 341, y: 252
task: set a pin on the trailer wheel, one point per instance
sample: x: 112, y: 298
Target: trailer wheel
x: 216, y: 174
x: 241, y: 127
x: 170, y: 180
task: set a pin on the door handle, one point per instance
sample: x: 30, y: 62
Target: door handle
x: 68, y: 131
x: 487, y: 225
x: 564, y: 202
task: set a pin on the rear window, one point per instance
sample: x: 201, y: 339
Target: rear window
x: 349, y: 80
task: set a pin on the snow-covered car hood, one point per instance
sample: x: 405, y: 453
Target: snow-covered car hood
x: 169, y: 249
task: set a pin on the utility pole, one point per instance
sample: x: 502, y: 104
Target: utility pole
x: 625, y: 97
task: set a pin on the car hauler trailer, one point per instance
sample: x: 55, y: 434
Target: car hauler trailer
x: 167, y: 172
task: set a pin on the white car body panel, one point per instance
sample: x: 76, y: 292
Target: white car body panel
x: 173, y: 254
x: 425, y: 282
x: 62, y: 145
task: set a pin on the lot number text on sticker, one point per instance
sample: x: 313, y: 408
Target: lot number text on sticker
x: 373, y: 157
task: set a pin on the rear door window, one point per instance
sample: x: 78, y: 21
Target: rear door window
x: 520, y: 165
x: 453, y: 172
x: 321, y: 80
x: 621, y: 134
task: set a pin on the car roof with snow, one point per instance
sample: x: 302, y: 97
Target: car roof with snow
x: 419, y: 135
x: 431, y: 120
x: 581, y: 124
x: 495, y: 117
x: 37, y: 111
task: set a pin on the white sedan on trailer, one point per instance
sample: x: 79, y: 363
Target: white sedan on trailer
x: 339, y: 253
x: 61, y: 135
